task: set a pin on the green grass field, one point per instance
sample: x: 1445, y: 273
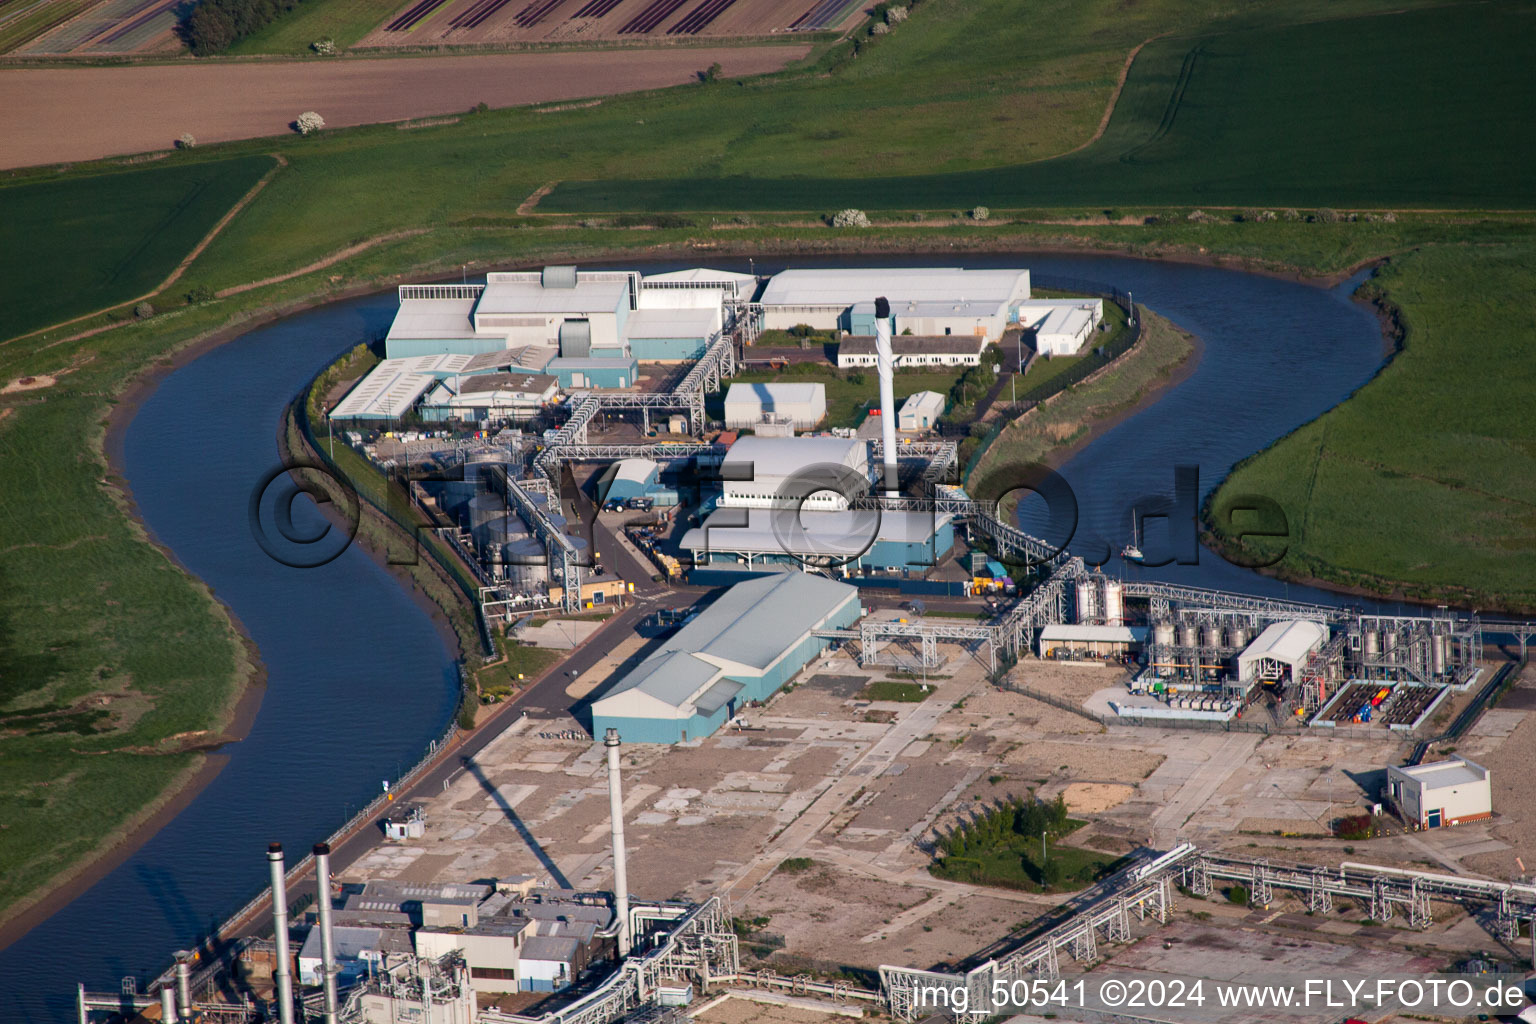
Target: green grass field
x: 84, y: 243
x: 1425, y: 480
x: 343, y: 22
x: 1412, y: 108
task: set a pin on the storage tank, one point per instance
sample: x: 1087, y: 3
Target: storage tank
x: 1087, y: 600
x: 1189, y: 636
x: 1388, y: 641
x: 1212, y: 636
x: 476, y: 462
x: 1370, y: 643
x: 1114, y: 603
x: 1237, y: 637
x: 498, y: 532
x: 1438, y: 649
x: 524, y: 563
x: 1162, y: 634
x: 482, y: 509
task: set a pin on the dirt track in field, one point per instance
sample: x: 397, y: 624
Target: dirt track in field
x: 58, y: 115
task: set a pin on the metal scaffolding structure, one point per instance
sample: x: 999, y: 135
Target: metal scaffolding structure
x: 1103, y: 914
x: 557, y: 545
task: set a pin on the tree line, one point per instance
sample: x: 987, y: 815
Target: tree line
x: 213, y: 26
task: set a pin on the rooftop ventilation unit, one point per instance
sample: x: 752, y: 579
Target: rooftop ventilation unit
x: 558, y: 277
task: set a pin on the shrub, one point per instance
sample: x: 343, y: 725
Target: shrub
x: 1200, y: 217
x: 896, y: 15
x: 308, y: 123
x: 1290, y: 215
x: 143, y: 311
x: 794, y: 865
x: 710, y: 74
x: 469, y: 703
x: 879, y: 28
x: 324, y: 47
x: 980, y: 213
x: 186, y: 141
x: 850, y: 218
x: 199, y: 293
x: 1265, y: 216
x: 1352, y: 826
x: 1328, y: 216
x: 1239, y: 895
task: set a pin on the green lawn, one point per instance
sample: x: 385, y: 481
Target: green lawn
x: 343, y: 22
x: 906, y: 693
x: 80, y: 244
x: 1418, y: 107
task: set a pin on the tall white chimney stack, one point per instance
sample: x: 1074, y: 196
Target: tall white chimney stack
x: 322, y: 853
x: 885, y: 361
x: 620, y: 867
x: 283, y: 971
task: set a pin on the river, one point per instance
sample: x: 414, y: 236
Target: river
x: 358, y: 679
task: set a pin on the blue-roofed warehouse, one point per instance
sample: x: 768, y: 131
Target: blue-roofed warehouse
x: 751, y: 641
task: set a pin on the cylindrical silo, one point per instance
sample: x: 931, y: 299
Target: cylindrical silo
x: 1437, y: 655
x: 1087, y: 600
x: 1162, y: 634
x: 482, y: 509
x: 1189, y: 636
x: 1212, y: 636
x: 1370, y: 643
x: 1237, y: 637
x: 1114, y: 603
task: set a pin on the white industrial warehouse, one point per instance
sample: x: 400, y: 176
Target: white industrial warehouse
x: 924, y: 300
x: 751, y: 641
x: 796, y: 406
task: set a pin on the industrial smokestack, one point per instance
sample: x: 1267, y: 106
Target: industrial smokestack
x: 184, y: 984
x: 168, y: 1005
x: 327, y: 935
x: 620, y: 868
x: 885, y: 361
x: 282, y: 974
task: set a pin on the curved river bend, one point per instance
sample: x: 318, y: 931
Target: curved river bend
x: 358, y: 678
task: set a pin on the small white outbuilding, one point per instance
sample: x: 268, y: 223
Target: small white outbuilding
x: 920, y: 411
x: 1448, y: 792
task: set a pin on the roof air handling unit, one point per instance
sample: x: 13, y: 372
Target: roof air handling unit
x: 885, y: 360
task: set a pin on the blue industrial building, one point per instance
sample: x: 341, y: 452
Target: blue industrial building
x: 742, y: 648
x: 848, y: 540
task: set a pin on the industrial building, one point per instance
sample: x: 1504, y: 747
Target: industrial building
x: 921, y: 411
x: 847, y: 541
x: 1061, y: 326
x: 1442, y: 793
x: 797, y: 406
x: 1071, y: 641
x: 631, y: 478
x: 490, y: 397
x: 588, y: 329
x: 1278, y: 654
x: 769, y: 472
x: 924, y: 300
x: 743, y: 647
x: 913, y: 351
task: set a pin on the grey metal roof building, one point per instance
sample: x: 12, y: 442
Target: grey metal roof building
x: 746, y: 645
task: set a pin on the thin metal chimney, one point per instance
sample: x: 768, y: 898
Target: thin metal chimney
x: 885, y: 360
x: 168, y: 1005
x: 282, y: 973
x: 620, y: 868
x: 184, y: 984
x: 322, y: 853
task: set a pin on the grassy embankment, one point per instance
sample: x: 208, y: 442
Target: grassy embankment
x: 1064, y: 419
x: 89, y: 606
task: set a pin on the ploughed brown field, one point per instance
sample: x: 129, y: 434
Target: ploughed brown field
x: 117, y: 111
